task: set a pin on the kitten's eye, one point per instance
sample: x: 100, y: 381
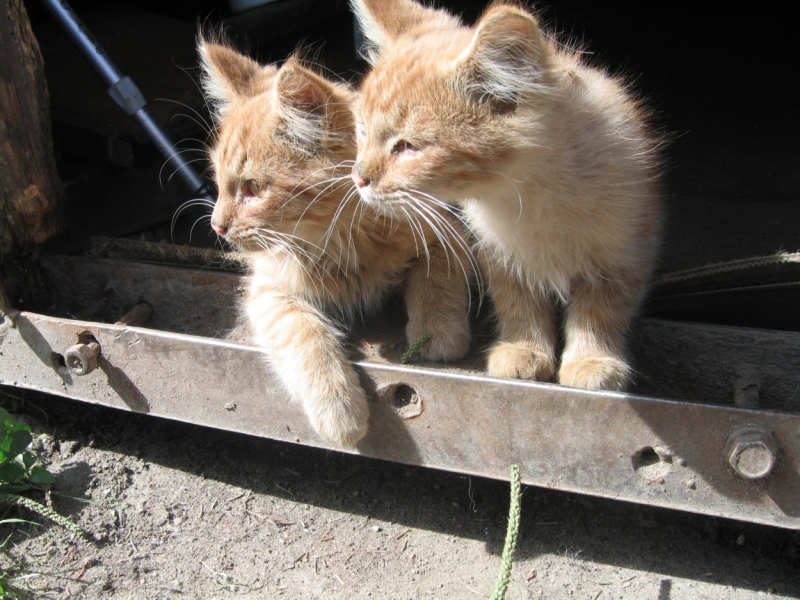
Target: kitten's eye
x: 251, y: 189
x: 403, y: 146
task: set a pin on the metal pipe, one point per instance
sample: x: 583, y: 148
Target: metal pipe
x: 123, y: 91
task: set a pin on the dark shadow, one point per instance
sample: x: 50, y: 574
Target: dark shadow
x: 72, y: 486
x: 42, y: 349
x: 388, y: 434
x: 125, y: 388
x: 664, y: 590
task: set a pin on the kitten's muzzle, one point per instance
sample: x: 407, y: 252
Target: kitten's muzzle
x: 220, y: 229
x: 358, y: 176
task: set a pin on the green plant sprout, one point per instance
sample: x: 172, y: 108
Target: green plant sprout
x: 20, y: 471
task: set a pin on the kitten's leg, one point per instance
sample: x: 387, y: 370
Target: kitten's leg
x: 305, y: 351
x: 437, y: 301
x: 597, y: 319
x: 526, y: 319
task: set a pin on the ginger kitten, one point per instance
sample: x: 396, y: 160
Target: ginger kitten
x: 282, y: 155
x: 550, y: 160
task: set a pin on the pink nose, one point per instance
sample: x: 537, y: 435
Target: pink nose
x: 358, y: 178
x: 219, y: 228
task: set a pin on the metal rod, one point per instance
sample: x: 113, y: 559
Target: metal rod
x: 123, y: 91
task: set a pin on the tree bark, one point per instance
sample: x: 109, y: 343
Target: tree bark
x: 30, y: 189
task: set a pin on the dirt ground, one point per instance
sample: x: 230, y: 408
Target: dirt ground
x: 179, y: 511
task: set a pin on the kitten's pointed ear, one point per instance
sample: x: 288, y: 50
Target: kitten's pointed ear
x: 381, y: 21
x: 301, y: 90
x: 229, y: 76
x: 509, y: 57
x: 312, y: 106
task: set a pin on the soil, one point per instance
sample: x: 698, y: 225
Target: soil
x: 172, y: 510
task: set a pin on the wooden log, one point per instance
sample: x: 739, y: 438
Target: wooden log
x: 30, y: 189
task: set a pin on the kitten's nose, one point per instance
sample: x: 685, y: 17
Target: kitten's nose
x: 358, y: 177
x: 219, y: 228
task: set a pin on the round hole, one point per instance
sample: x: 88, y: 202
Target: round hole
x: 649, y: 464
x: 403, y: 399
x: 403, y: 396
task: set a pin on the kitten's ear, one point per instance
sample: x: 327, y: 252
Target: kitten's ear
x: 311, y: 105
x: 509, y: 57
x: 229, y: 76
x: 381, y: 21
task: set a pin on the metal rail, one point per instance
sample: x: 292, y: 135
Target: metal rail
x: 717, y: 460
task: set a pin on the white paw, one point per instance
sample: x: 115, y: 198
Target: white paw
x: 595, y: 372
x: 342, y: 419
x: 520, y: 361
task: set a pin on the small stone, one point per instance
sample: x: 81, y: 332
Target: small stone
x: 682, y: 462
x: 740, y: 540
x: 691, y: 484
x: 376, y: 528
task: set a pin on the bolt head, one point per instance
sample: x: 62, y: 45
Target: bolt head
x: 752, y: 452
x: 82, y: 358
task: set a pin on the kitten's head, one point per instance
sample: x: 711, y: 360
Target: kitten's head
x: 281, y: 133
x: 443, y: 105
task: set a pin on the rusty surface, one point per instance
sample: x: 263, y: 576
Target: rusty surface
x: 683, y: 361
x: 645, y: 450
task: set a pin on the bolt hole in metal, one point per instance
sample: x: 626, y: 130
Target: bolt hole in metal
x: 81, y: 359
x: 85, y: 337
x: 651, y: 463
x: 403, y: 398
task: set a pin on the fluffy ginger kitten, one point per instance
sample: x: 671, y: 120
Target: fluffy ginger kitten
x: 286, y: 200
x: 549, y: 159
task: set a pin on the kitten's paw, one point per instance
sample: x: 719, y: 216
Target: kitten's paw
x: 449, y: 340
x: 520, y: 361
x: 341, y: 420
x: 595, y: 373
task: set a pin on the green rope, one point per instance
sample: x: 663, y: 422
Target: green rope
x: 414, y: 348
x: 512, y: 532
x: 42, y: 510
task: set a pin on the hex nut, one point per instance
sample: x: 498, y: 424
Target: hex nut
x: 81, y: 359
x: 752, y: 451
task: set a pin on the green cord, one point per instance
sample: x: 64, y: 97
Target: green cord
x: 414, y: 348
x: 42, y: 510
x: 504, y: 577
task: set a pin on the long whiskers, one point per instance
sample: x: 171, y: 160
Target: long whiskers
x: 447, y: 234
x: 186, y: 205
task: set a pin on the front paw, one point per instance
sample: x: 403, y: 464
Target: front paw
x: 595, y: 373
x: 449, y: 340
x: 520, y: 361
x: 341, y: 419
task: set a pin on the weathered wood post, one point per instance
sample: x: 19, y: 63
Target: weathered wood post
x: 30, y: 189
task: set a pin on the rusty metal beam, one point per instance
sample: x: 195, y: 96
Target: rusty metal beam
x: 647, y: 450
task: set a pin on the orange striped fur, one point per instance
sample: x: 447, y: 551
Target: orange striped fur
x: 550, y: 160
x: 282, y: 156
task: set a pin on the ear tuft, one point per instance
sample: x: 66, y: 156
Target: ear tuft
x: 298, y: 89
x: 507, y: 59
x: 382, y: 21
x: 313, y: 108
x: 229, y: 76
